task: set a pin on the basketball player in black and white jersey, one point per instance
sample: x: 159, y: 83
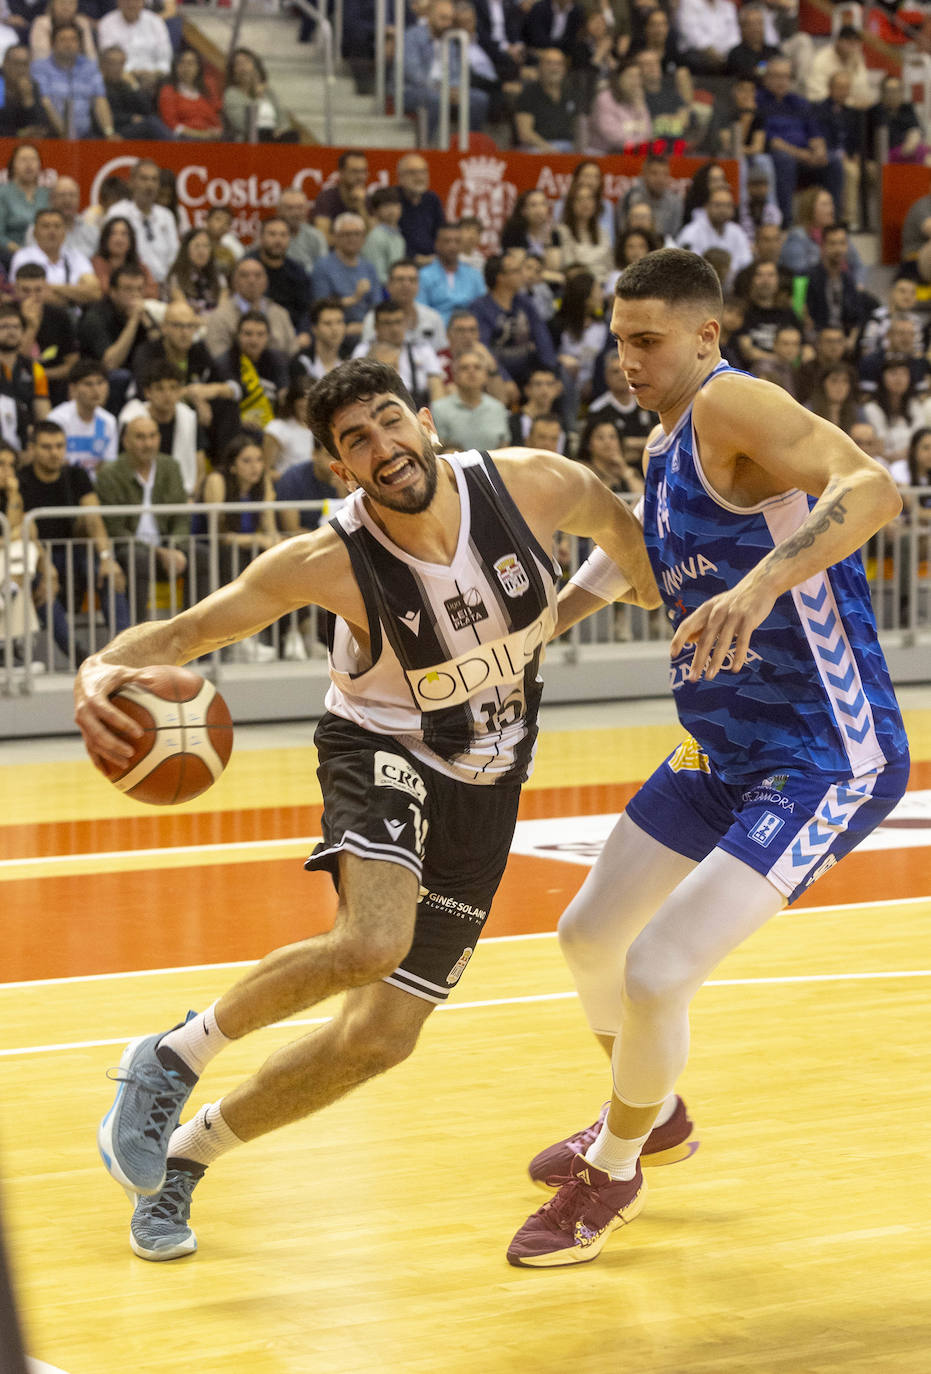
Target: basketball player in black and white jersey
x: 442, y: 597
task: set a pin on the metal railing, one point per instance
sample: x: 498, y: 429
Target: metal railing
x: 88, y: 616
x: 460, y: 37
x: 897, y: 559
x: 457, y: 36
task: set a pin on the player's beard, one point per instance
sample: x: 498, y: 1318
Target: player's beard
x: 412, y: 499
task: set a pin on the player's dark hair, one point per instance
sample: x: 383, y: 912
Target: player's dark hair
x: 357, y: 380
x: 674, y: 276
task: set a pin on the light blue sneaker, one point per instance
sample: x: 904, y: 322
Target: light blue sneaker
x: 159, y: 1229
x: 133, y: 1136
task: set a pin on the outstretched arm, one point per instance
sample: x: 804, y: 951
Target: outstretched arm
x: 773, y: 445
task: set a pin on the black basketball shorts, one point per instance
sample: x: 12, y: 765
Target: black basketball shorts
x: 379, y: 802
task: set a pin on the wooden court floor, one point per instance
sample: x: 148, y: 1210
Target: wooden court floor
x: 371, y: 1238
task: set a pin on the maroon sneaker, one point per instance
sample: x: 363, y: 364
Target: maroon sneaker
x: 666, y: 1144
x: 573, y: 1226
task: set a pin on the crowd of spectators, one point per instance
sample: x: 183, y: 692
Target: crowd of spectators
x: 76, y: 68
x: 144, y: 365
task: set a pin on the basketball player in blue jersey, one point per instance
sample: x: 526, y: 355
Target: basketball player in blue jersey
x: 441, y: 589
x: 754, y: 511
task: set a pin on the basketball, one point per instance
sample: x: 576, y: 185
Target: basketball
x: 187, y: 741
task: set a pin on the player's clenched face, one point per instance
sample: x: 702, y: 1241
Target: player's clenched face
x: 664, y: 351
x: 386, y: 449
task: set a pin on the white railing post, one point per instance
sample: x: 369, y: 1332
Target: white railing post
x: 462, y: 38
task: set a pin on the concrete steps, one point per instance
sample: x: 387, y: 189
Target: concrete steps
x: 295, y: 71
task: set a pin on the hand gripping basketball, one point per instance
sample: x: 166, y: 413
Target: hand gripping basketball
x: 187, y: 737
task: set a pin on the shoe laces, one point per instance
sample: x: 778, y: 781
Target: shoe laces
x: 169, y: 1093
x: 173, y: 1203
x: 565, y: 1208
x: 578, y: 1207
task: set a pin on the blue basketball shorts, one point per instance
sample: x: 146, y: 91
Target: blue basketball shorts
x: 791, y: 827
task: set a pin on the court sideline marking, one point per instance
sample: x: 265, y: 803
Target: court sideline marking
x: 487, y: 940
x: 510, y: 1002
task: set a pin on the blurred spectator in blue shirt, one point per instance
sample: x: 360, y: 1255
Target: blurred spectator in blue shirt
x: 346, y: 274
x: 67, y: 76
x: 794, y: 140
x: 446, y: 282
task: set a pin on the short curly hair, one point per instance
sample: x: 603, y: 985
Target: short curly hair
x: 357, y: 380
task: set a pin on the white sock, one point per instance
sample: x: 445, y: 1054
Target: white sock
x: 666, y: 1110
x: 197, y: 1041
x: 204, y: 1138
x: 614, y: 1155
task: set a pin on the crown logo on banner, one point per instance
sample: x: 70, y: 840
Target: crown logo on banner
x: 483, y: 169
x: 482, y: 190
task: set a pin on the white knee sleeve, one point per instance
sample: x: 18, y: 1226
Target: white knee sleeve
x: 630, y: 879
x: 712, y: 911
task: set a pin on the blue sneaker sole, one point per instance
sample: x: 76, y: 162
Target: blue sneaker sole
x: 170, y: 1252
x: 105, y: 1139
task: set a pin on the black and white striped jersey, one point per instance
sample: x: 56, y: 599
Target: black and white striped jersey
x: 453, y: 670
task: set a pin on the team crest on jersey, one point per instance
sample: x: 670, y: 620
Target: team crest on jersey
x: 776, y: 783
x: 466, y: 609
x: 511, y: 575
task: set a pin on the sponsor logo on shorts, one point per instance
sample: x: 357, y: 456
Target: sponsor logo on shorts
x: 452, y: 905
x: 822, y: 868
x: 391, y: 770
x: 690, y: 758
x: 761, y: 794
x: 458, y: 968
x: 394, y: 828
x: 766, y: 828
x: 466, y: 609
x: 511, y: 575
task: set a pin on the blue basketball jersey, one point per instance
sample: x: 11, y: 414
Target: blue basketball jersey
x: 815, y: 691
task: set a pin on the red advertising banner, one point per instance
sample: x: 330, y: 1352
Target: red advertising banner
x: 902, y: 184
x: 249, y: 177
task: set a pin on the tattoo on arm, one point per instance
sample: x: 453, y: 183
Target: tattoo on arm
x: 819, y: 521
